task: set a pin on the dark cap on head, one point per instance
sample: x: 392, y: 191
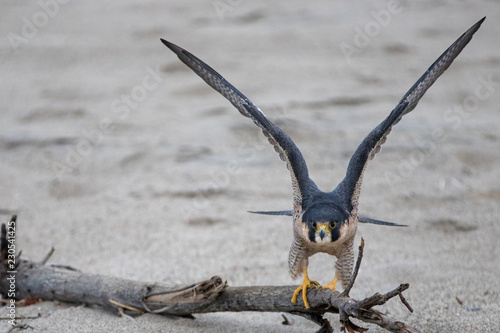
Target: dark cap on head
x: 324, y: 212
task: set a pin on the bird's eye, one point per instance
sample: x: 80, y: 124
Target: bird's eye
x: 314, y: 225
x: 333, y: 224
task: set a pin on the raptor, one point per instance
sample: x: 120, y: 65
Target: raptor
x: 324, y: 221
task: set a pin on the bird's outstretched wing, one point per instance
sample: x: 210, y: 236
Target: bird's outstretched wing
x: 288, y: 151
x: 350, y: 187
x: 364, y: 219
x: 273, y: 212
x: 361, y: 219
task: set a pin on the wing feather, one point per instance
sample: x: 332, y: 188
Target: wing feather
x: 283, y: 145
x: 351, y: 185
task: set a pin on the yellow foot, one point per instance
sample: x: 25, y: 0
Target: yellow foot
x: 306, y: 284
x: 331, y: 285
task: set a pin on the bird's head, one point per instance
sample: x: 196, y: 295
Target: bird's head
x: 323, y: 223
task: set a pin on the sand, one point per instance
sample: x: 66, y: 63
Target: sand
x: 129, y: 165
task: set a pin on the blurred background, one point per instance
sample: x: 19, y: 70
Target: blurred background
x: 131, y: 166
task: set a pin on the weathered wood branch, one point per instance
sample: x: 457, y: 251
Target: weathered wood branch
x: 62, y: 283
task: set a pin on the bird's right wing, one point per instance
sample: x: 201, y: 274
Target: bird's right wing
x: 272, y: 212
x: 288, y: 151
x: 350, y: 187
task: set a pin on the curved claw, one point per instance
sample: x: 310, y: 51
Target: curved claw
x: 306, y: 284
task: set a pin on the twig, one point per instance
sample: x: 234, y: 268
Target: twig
x: 47, y: 256
x: 405, y: 302
x: 379, y: 299
x: 123, y: 306
x: 285, y: 322
x: 3, y: 243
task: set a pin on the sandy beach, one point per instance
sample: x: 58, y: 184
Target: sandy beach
x: 129, y: 165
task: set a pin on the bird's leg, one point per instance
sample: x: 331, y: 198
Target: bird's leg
x: 332, y: 285
x: 307, y: 283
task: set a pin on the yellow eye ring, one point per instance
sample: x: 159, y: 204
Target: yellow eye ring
x: 333, y: 225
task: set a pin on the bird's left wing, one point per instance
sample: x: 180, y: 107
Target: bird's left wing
x: 350, y: 187
x: 288, y: 151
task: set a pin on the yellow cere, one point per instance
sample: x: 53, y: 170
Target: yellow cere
x: 324, y: 227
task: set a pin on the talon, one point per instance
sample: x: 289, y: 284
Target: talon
x: 306, y: 284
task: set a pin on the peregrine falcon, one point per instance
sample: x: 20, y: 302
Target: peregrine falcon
x: 324, y: 221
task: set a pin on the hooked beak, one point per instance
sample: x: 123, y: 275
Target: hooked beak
x: 322, y: 233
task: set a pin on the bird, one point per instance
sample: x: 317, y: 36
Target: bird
x: 324, y: 221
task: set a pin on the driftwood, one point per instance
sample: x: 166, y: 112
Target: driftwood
x: 35, y: 281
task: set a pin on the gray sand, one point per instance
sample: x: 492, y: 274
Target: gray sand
x: 129, y: 165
